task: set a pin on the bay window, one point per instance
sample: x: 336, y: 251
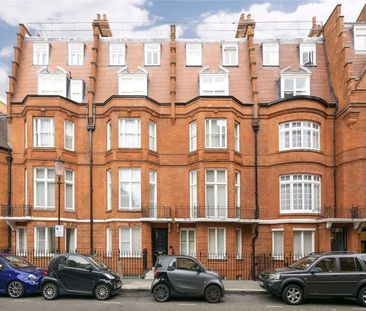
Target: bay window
x: 44, y: 188
x: 216, y: 193
x: 69, y: 190
x: 215, y: 133
x: 44, y: 132
x: 193, y: 193
x: 299, y: 135
x: 193, y: 136
x: 294, y: 85
x: 153, y: 194
x: 130, y: 188
x: 129, y: 133
x: 152, y: 135
x: 69, y: 135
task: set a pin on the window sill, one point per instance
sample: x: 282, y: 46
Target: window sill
x: 194, y: 66
x: 153, y: 152
x: 153, y: 65
x: 271, y: 66
x: 44, y: 209
x: 301, y: 150
x: 73, y: 152
x: 70, y: 211
x: 235, y: 65
x: 136, y: 210
x: 300, y: 213
x: 44, y: 148
x: 134, y: 149
x: 216, y: 149
x: 308, y: 66
x: 117, y: 65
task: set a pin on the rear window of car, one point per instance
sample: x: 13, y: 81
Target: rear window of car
x: 162, y: 262
x: 349, y: 264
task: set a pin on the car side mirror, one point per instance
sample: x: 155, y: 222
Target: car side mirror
x: 1, y: 267
x: 316, y: 270
x: 89, y: 267
x: 198, y: 269
x: 171, y: 268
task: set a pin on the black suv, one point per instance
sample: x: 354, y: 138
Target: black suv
x: 75, y: 274
x: 319, y: 275
x: 185, y: 276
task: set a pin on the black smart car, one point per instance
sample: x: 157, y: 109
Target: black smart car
x: 185, y: 276
x: 319, y: 275
x: 75, y: 274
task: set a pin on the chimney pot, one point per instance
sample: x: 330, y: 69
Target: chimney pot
x: 105, y: 17
x: 98, y: 16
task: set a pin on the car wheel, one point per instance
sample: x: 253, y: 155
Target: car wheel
x: 213, y: 294
x: 50, y: 291
x: 361, y: 298
x: 293, y: 295
x: 102, y: 292
x: 161, y: 293
x: 15, y: 289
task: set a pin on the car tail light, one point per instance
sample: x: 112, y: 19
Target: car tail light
x: 156, y: 273
x: 45, y: 272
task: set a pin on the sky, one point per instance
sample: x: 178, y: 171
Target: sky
x: 205, y: 19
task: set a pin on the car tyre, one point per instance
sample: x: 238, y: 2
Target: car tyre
x: 102, y: 292
x: 361, y: 297
x: 161, y: 293
x: 50, y: 291
x: 213, y: 294
x: 15, y: 289
x: 293, y: 295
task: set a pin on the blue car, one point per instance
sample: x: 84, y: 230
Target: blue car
x: 19, y: 277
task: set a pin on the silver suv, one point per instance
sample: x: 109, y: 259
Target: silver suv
x: 319, y: 275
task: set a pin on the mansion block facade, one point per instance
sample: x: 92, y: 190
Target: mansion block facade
x: 188, y: 146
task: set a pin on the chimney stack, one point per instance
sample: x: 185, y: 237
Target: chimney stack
x: 103, y: 25
x: 316, y: 29
x: 244, y: 25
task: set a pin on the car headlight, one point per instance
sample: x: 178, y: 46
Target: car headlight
x: 32, y: 277
x: 109, y: 276
x: 274, y: 276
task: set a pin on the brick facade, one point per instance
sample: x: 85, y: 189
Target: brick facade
x: 336, y: 104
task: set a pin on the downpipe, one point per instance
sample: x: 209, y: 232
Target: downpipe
x: 9, y: 159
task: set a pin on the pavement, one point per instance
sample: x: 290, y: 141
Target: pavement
x: 238, y: 287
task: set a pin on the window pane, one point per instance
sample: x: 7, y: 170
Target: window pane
x: 211, y: 241
x: 51, y: 195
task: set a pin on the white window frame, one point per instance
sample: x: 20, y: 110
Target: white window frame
x: 214, y: 88
x: 109, y: 135
x: 274, y: 50
x: 25, y: 134
x: 193, y: 177
x: 75, y: 50
x: 19, y: 251
x: 25, y: 186
x: 152, y: 136
x: 72, y: 184
x: 356, y: 34
x: 288, y: 182
x: 41, y: 53
x: 233, y: 60
x: 208, y: 134
x: 188, y: 251
x: 53, y: 83
x: 117, y: 54
x: 192, y: 136
x: 237, y: 136
x: 37, y: 134
x: 194, y: 54
x: 136, y: 84
x: 47, y: 250
x: 153, y: 182
x: 287, y: 129
x: 131, y: 252
x: 152, y: 48
x: 237, y: 194
x: 68, y: 123
x: 75, y: 239
x: 122, y: 133
x: 310, y: 49
x: 239, y: 243
x: 275, y: 254
x: 296, y: 90
x: 130, y: 182
x: 216, y: 208
x: 76, y: 91
x: 108, y: 241
x: 47, y: 182
x: 215, y: 254
x: 109, y: 189
x: 302, y: 230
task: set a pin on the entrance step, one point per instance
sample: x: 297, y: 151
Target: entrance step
x: 149, y: 275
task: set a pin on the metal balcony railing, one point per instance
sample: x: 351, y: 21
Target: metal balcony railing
x: 353, y: 212
x: 214, y: 212
x: 21, y: 210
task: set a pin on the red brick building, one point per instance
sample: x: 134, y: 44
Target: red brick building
x: 224, y: 148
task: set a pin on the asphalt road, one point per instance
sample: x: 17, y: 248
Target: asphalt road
x: 136, y: 301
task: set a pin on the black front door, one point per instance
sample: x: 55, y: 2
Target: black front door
x: 339, y: 239
x: 159, y: 243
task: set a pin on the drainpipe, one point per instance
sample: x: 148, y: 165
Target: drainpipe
x: 255, y: 126
x: 91, y: 128
x: 9, y: 159
x: 334, y: 129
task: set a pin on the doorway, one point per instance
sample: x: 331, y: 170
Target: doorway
x: 339, y: 239
x: 159, y: 243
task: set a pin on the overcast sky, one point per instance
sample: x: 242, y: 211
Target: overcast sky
x: 131, y: 18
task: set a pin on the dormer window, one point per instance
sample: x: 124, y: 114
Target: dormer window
x: 152, y: 54
x: 193, y: 54
x: 76, y: 54
x: 230, y: 54
x: 132, y: 83
x: 53, y: 83
x: 270, y: 54
x: 40, y: 53
x: 77, y: 90
x: 214, y: 83
x: 359, y: 33
x: 295, y: 83
x: 307, y: 54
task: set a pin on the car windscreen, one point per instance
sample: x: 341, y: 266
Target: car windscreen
x: 304, y: 263
x: 97, y: 262
x: 17, y: 262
